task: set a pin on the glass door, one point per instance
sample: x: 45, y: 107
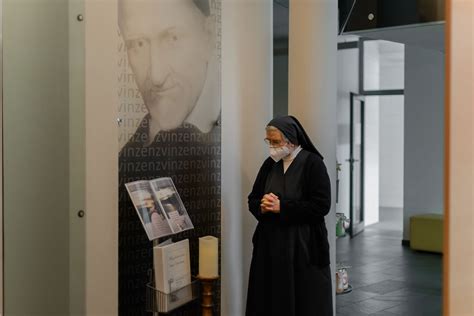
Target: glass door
x: 356, y: 162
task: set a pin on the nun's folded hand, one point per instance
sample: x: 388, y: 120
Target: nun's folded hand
x: 270, y: 203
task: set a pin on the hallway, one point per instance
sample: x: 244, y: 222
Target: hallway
x: 388, y: 278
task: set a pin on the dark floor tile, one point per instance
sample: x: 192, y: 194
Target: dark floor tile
x: 383, y: 313
x: 427, y: 282
x: 384, y: 287
x: 369, y: 278
x: 371, y: 306
x: 377, y: 267
x: 358, y: 283
x: 342, y: 303
x: 353, y: 297
x: 388, y: 278
x: 406, y: 294
x: 418, y: 308
x: 349, y: 311
x: 397, y: 270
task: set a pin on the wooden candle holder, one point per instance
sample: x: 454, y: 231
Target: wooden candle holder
x: 207, y: 295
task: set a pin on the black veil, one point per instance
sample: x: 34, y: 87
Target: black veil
x: 294, y: 131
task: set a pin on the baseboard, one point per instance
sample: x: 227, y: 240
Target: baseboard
x: 405, y: 242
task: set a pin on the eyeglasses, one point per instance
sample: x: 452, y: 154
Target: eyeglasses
x: 274, y: 143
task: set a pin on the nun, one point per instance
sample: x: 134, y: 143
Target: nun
x: 290, y: 273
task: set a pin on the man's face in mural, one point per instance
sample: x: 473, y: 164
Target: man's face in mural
x: 169, y: 44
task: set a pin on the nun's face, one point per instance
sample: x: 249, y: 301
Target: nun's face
x: 275, y: 139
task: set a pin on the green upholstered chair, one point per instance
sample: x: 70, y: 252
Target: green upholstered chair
x: 426, y: 232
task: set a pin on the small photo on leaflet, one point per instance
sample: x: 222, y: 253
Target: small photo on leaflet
x: 172, y: 205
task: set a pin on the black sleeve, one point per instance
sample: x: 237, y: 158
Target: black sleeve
x: 317, y: 201
x: 255, y: 197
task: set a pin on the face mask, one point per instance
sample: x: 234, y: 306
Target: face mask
x: 279, y: 153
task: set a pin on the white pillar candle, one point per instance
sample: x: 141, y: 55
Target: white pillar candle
x: 208, y: 257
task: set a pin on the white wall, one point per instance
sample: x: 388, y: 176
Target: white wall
x: 391, y: 151
x: 347, y: 81
x: 246, y: 109
x: 101, y: 159
x: 47, y: 171
x: 371, y: 184
x: 372, y: 81
x: 372, y: 65
x: 76, y: 160
x: 424, y: 133
x: 312, y: 91
x: 392, y: 70
x: 36, y: 157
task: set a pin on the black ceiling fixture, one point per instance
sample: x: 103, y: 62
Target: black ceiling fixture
x: 283, y: 3
x: 357, y: 15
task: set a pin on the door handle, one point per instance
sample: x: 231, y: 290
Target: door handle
x: 352, y: 160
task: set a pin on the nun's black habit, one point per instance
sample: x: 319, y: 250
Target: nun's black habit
x: 290, y: 274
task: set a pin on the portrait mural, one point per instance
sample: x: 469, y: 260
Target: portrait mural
x: 169, y: 126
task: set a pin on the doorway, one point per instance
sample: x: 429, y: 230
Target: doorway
x: 385, y: 108
x: 368, y: 121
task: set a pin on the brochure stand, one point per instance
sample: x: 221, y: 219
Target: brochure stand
x: 158, y: 302
x: 162, y: 213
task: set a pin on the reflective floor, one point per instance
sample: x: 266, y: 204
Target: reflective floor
x: 388, y: 278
